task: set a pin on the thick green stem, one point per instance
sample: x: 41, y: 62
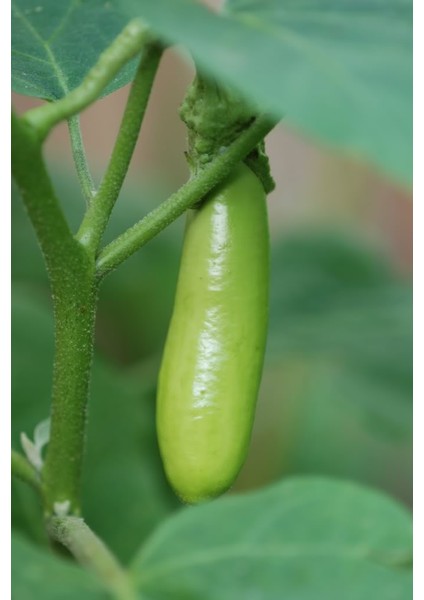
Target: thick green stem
x: 190, y: 193
x: 74, y: 311
x: 97, y: 216
x: 21, y: 469
x: 71, y: 273
x: 127, y: 45
x: 80, y: 159
x: 92, y: 554
x: 51, y: 228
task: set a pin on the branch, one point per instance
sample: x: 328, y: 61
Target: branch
x: 188, y: 195
x: 91, y: 553
x: 33, y: 181
x: 98, y: 213
x: 21, y: 469
x: 128, y: 43
x: 80, y: 159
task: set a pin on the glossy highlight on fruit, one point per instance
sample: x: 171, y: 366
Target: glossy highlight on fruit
x: 213, y: 356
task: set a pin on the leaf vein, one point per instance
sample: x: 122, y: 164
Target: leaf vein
x: 30, y: 56
x: 52, y: 59
x: 73, y: 5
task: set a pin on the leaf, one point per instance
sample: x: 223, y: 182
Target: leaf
x: 40, y: 575
x: 54, y: 44
x: 31, y: 452
x: 125, y: 494
x: 42, y: 434
x: 339, y: 71
x: 335, y: 303
x: 34, y: 449
x: 304, y: 539
x: 324, y: 430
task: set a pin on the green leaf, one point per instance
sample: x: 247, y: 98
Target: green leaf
x: 304, y: 539
x: 40, y: 575
x: 339, y: 71
x: 125, y: 494
x: 314, y: 424
x: 336, y: 304
x: 54, y: 44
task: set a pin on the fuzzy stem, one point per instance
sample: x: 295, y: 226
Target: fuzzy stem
x: 74, y: 311
x: 97, y: 216
x: 127, y: 45
x: 21, y: 469
x: 48, y: 220
x: 71, y: 274
x: 80, y: 159
x: 92, y: 554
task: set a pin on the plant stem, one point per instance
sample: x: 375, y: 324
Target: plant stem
x: 92, y: 554
x: 21, y: 469
x: 190, y: 193
x: 80, y: 159
x: 71, y: 274
x: 74, y: 312
x: 98, y: 213
x: 127, y: 44
x: 51, y: 228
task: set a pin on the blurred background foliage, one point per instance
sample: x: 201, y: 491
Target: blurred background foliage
x: 336, y: 391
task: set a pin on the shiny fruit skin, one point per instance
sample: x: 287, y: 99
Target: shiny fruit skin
x: 213, y: 356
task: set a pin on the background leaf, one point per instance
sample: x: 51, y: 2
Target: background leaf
x: 303, y: 539
x: 39, y: 575
x: 339, y: 71
x: 54, y: 44
x: 336, y: 392
x: 336, y: 303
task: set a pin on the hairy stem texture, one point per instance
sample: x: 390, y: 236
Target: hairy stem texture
x: 98, y: 213
x: 74, y: 311
x: 23, y: 470
x: 71, y: 274
x: 80, y: 159
x: 92, y: 554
